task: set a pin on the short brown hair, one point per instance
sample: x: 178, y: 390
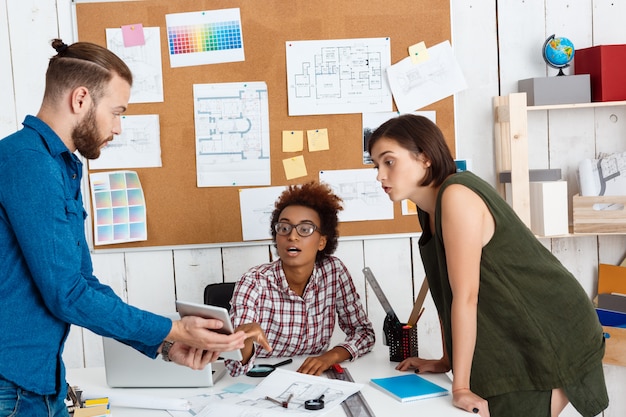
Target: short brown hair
x: 316, y: 196
x: 419, y: 135
x: 82, y: 64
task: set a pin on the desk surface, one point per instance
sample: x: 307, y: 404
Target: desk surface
x: 375, y: 364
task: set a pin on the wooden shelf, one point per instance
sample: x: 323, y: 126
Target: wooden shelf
x: 511, y: 153
x: 577, y: 105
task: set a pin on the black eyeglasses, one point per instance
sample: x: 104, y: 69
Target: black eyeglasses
x: 303, y: 229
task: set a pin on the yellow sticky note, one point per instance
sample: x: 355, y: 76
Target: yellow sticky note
x: 294, y: 167
x: 318, y: 140
x: 293, y: 140
x: 418, y: 53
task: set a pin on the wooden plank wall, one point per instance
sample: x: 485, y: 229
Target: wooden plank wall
x: 492, y: 57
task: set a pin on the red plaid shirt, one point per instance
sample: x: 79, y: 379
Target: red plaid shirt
x: 297, y: 326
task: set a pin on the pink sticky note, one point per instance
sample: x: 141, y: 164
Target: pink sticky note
x: 133, y: 35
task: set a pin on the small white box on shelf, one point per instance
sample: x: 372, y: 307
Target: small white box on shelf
x: 548, y: 208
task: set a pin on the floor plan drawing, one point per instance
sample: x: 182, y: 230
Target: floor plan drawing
x: 232, y: 134
x: 338, y: 76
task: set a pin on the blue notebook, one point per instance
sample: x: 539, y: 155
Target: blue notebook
x: 409, y: 387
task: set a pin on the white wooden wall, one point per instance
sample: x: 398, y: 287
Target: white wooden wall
x: 496, y: 43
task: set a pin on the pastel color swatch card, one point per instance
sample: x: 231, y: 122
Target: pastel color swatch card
x: 119, y: 207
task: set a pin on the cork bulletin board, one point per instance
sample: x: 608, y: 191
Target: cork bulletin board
x: 179, y: 212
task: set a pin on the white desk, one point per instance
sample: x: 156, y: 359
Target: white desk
x: 375, y: 364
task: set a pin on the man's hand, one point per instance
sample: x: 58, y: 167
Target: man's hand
x: 201, y: 334
x: 191, y: 357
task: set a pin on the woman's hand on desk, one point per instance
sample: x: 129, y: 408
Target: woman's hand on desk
x: 437, y: 366
x: 468, y: 401
x: 315, y: 365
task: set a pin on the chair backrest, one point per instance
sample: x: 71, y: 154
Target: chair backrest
x: 219, y: 294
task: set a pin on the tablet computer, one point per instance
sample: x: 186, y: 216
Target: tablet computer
x: 186, y: 308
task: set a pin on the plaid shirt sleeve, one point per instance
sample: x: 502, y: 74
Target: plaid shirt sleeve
x: 353, y: 320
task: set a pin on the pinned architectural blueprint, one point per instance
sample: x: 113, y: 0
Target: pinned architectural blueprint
x: 119, y: 207
x: 232, y: 134
x: 338, y: 76
x: 416, y: 85
x: 138, y: 146
x: 204, y: 37
x: 363, y: 197
x: 257, y: 205
x: 144, y: 62
x: 281, y: 385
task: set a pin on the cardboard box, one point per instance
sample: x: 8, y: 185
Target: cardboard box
x: 565, y: 89
x: 548, y: 208
x: 606, y: 65
x: 599, y: 214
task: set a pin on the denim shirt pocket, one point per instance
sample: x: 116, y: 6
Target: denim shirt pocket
x: 75, y: 216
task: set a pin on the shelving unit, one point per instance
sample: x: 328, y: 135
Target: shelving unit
x: 511, y: 143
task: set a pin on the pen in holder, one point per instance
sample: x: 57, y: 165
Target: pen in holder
x: 401, y: 339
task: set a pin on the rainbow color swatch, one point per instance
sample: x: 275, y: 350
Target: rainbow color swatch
x: 205, y: 37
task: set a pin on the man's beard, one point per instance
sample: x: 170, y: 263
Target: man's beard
x: 86, y: 138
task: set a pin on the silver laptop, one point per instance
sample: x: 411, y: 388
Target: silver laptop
x: 127, y: 368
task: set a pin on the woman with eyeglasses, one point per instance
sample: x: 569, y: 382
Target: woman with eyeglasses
x: 297, y: 299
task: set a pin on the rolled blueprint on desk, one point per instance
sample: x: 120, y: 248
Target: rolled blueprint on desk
x: 129, y: 399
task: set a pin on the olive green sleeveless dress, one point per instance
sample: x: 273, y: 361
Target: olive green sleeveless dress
x: 536, y: 327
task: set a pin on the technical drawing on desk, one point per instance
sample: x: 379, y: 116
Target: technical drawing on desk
x: 338, y: 76
x: 290, y: 387
x: 232, y: 134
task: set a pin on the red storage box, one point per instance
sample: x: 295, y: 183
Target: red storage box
x: 606, y: 65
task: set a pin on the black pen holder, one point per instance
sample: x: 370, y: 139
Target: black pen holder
x: 401, y: 339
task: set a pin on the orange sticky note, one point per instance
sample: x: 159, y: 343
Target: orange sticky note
x: 317, y: 140
x: 133, y: 35
x: 418, y: 53
x: 294, y: 167
x: 293, y: 140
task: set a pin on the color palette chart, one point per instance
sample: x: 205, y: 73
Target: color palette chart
x: 204, y: 37
x: 119, y: 207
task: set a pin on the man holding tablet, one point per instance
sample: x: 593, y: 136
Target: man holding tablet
x: 46, y: 278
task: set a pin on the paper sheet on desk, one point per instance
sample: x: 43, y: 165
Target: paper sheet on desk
x: 279, y: 385
x: 129, y: 399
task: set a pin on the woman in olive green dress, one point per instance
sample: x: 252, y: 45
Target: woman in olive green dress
x: 520, y: 334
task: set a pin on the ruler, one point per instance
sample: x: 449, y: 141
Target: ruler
x: 355, y: 405
x: 371, y: 279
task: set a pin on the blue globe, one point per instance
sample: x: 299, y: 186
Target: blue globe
x: 558, y: 52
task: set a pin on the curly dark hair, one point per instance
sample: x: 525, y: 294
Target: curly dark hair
x: 316, y: 196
